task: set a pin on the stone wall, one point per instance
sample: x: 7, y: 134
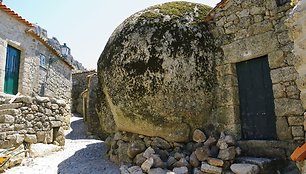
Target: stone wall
x: 89, y: 107
x: 79, y: 85
x: 32, y: 120
x: 297, y: 26
x: 246, y: 30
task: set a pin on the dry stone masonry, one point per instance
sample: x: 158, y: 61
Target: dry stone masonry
x: 79, y: 84
x: 32, y: 120
x: 297, y: 26
x: 246, y: 30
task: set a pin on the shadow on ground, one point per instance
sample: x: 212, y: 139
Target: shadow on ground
x: 90, y: 160
x: 78, y: 130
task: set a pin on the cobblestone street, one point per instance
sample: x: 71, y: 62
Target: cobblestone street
x: 80, y: 155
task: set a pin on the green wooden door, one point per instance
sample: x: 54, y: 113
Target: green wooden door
x: 11, y: 70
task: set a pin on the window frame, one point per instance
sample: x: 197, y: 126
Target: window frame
x: 42, y: 62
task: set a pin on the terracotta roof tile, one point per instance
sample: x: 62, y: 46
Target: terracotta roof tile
x: 33, y: 33
x: 15, y: 15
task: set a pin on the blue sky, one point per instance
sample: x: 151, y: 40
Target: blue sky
x: 84, y: 25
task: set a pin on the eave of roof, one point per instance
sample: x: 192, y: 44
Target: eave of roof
x: 33, y: 33
x: 15, y: 15
x: 210, y: 15
x: 47, y: 45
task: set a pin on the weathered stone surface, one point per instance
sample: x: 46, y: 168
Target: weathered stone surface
x: 271, y: 149
x: 23, y: 99
x: 283, y: 129
x: 180, y: 170
x: 135, y: 148
x: 210, y: 169
x: 42, y: 99
x: 148, y: 152
x: 194, y: 160
x: 215, y: 162
x: 139, y: 159
x: 135, y: 170
x: 157, y: 171
x: 61, y: 103
x: 245, y: 168
x: 181, y: 163
x: 178, y: 155
x: 158, y: 163
x: 54, y: 106
x: 12, y: 112
x: 221, y: 144
x: 160, y: 143
x: 171, y: 160
x: 146, y: 67
x: 230, y: 140
x: 286, y: 107
x: 7, y: 119
x: 197, y: 171
x: 298, y: 131
x: 199, y: 136
x: 227, y: 154
x: 146, y: 166
x: 296, y: 121
x: 10, y: 106
x: 56, y: 123
x: 211, y: 140
x: 124, y: 169
x: 202, y: 153
x: 30, y: 138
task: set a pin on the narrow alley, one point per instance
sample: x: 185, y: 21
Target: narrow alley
x: 81, y: 155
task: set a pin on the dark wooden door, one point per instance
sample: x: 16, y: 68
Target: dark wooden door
x: 11, y: 70
x: 256, y: 99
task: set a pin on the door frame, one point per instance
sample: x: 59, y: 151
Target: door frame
x: 268, y: 100
x: 3, y: 53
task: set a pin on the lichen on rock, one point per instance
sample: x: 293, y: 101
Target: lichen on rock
x: 157, y: 71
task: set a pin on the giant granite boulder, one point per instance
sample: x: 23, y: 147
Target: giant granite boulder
x: 157, y: 74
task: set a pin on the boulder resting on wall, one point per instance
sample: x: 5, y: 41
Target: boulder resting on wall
x: 157, y: 72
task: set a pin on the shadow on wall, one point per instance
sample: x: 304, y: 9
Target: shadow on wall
x: 90, y: 160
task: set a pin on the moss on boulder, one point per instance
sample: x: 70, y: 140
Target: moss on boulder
x: 157, y: 71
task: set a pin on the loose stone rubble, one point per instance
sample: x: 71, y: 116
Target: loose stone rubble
x: 215, y: 153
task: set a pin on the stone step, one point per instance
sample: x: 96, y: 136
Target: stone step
x: 269, y: 165
x: 266, y: 148
x: 12, y: 112
x: 10, y: 106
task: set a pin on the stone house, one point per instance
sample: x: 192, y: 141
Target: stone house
x: 29, y: 62
x: 259, y: 99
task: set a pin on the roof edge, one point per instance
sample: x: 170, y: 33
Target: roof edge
x: 15, y: 15
x: 210, y: 16
x: 48, y: 46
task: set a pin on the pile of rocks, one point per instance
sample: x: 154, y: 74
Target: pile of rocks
x: 209, y: 152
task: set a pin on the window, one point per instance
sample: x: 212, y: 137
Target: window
x: 282, y: 2
x: 42, y: 59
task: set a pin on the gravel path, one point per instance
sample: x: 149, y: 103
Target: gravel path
x: 80, y: 156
